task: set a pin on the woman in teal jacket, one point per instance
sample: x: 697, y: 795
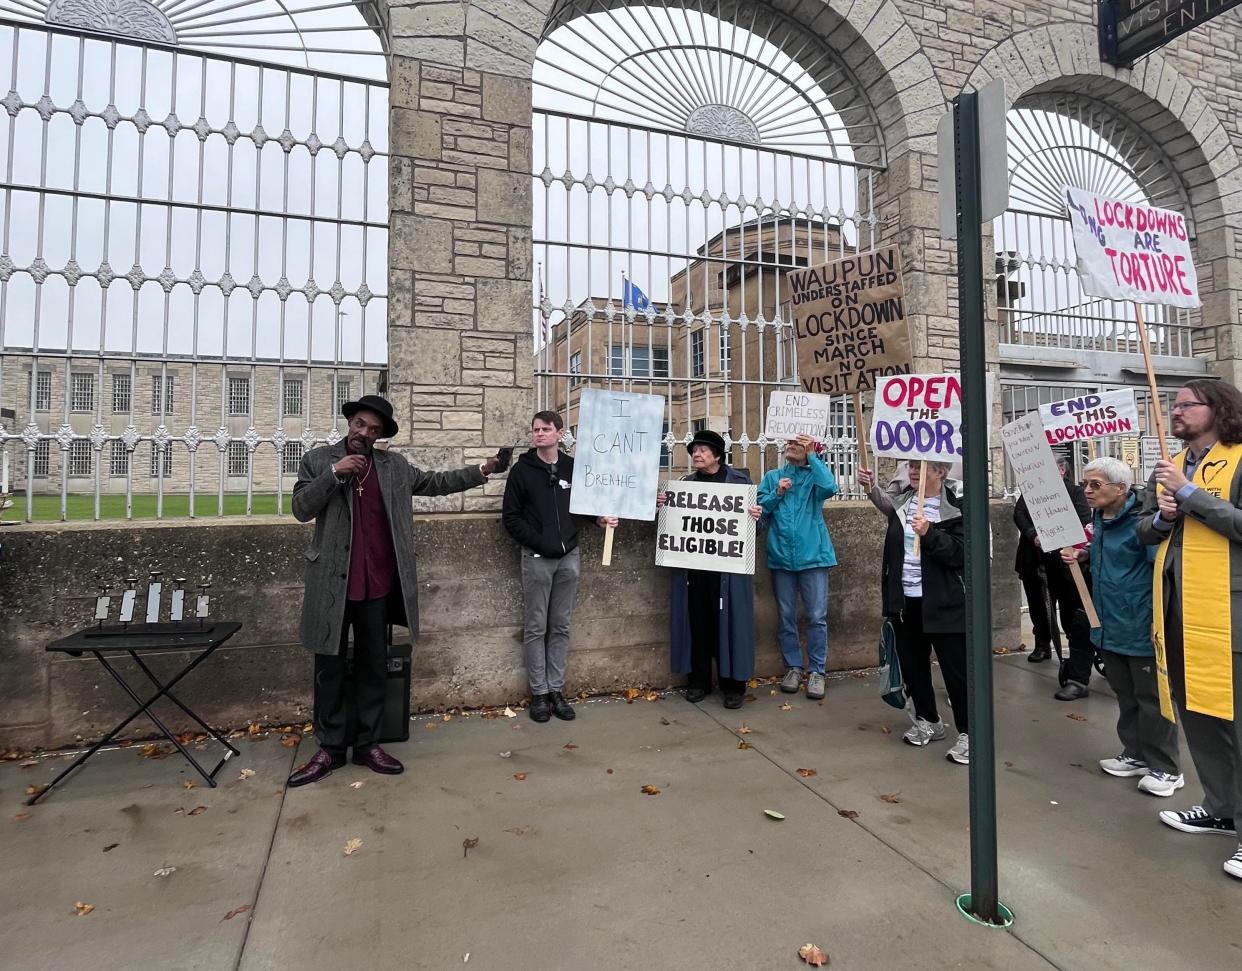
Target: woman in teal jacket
x: 799, y: 555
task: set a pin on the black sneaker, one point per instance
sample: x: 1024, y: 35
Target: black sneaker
x: 1041, y: 653
x: 695, y: 695
x: 540, y: 708
x: 1073, y: 691
x: 561, y: 708
x: 733, y: 701
x: 1196, y: 819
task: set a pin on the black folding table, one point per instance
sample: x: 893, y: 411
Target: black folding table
x: 199, y: 638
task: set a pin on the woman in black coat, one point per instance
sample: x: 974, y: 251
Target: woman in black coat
x: 924, y: 597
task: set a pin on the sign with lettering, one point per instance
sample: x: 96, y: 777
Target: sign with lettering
x: 1130, y: 29
x: 1129, y: 251
x: 707, y: 526
x: 919, y: 416
x: 849, y: 322
x: 1035, y: 469
x: 617, y: 456
x: 1128, y: 452
x: 1100, y: 415
x: 794, y: 413
x: 1149, y: 453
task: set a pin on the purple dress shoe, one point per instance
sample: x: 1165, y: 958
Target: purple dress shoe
x: 377, y: 760
x: 320, y: 766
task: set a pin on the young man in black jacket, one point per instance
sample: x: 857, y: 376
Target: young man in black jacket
x: 536, y: 514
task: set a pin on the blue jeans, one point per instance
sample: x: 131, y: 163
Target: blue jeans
x: 812, y: 585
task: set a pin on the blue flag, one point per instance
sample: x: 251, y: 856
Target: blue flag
x: 632, y: 296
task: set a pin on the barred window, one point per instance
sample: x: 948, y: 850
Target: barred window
x: 119, y: 464
x: 42, y: 458
x: 575, y: 369
x: 161, y: 394
x: 291, y: 458
x: 80, y: 457
x: 341, y: 395
x: 239, y: 396
x: 82, y: 393
x: 239, y: 458
x: 156, y: 471
x: 43, y: 391
x: 122, y: 396
x: 292, y: 401
x: 698, y: 367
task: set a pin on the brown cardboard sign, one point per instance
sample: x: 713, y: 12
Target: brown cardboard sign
x: 850, y: 323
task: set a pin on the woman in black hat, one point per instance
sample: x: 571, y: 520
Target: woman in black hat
x: 712, y: 615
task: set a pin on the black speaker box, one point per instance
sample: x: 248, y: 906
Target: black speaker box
x: 396, y: 724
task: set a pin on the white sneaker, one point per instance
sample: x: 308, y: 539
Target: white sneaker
x: 1124, y: 767
x: 1196, y: 819
x: 960, y: 750
x: 1161, y: 783
x: 923, y: 732
x: 1233, y: 866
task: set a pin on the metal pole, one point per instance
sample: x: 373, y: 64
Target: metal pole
x: 975, y: 423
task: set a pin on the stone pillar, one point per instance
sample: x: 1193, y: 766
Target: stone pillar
x: 460, y: 297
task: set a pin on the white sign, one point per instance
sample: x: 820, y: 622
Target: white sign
x: 1043, y: 488
x: 794, y: 413
x: 919, y: 416
x: 617, y: 456
x: 1100, y: 415
x: 706, y: 526
x: 1129, y: 251
x: 1149, y: 453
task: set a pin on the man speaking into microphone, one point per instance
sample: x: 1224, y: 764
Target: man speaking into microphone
x: 360, y: 574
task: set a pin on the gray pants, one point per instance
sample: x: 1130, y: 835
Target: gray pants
x: 1145, y: 734
x: 1216, y: 748
x: 548, y: 590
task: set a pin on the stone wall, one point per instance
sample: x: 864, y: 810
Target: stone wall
x: 469, y: 652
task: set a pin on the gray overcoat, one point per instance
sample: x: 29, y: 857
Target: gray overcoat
x: 319, y: 496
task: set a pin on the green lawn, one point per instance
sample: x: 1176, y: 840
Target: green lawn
x: 78, y: 507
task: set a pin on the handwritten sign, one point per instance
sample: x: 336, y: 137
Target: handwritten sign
x: 1149, y: 453
x: 1132, y: 252
x: 617, y: 457
x: 706, y: 526
x: 919, y: 416
x: 849, y: 322
x: 794, y: 413
x: 1128, y: 452
x: 1100, y: 415
x: 1035, y: 468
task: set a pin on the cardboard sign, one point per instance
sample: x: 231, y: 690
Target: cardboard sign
x: 617, y: 457
x: 1149, y: 453
x: 794, y: 413
x: 1128, y: 452
x: 1132, y: 252
x: 706, y: 526
x: 849, y: 322
x: 919, y: 416
x: 1100, y: 415
x: 1035, y: 468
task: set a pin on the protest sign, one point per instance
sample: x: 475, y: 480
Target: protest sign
x: 617, y: 458
x: 794, y: 413
x: 1150, y: 453
x: 707, y: 526
x: 1043, y: 490
x: 1100, y: 415
x: 1128, y: 452
x: 849, y: 322
x: 1129, y: 251
x: 919, y: 416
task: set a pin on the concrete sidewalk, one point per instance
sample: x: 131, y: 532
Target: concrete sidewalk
x: 575, y: 867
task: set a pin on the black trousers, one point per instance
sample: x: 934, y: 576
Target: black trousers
x: 703, y: 601
x: 914, y: 647
x: 1036, y: 590
x: 369, y: 620
x: 1074, y: 622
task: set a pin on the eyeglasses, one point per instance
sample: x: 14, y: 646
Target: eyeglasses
x: 1098, y: 484
x: 1187, y: 405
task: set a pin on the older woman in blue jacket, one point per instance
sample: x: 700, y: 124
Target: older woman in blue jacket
x: 800, y: 554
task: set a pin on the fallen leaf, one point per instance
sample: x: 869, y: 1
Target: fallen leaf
x: 890, y: 797
x: 110, y: 847
x: 429, y: 726
x: 744, y: 744
x: 813, y: 955
x: 569, y: 745
x: 885, y: 729
x: 468, y: 844
x: 180, y: 811
x: 34, y: 790
x: 772, y: 692
x: 753, y: 683
x: 609, y: 771
x: 773, y: 814
x: 862, y: 728
x: 352, y: 846
x: 630, y: 694
x: 307, y: 728
x: 165, y: 871
x: 786, y: 707
x: 664, y: 721
x: 1001, y: 651
x: 649, y: 791
x: 505, y: 755
x: 446, y: 718
x: 83, y: 909
x: 1077, y: 717
x: 290, y: 740
x: 848, y: 813
x: 509, y: 712
x: 806, y: 773
x: 748, y: 699
x: 652, y: 696
x: 253, y: 728
x: 20, y: 816
x: 189, y: 784
x: 744, y: 729
x: 197, y: 811
x: 153, y: 751
x: 236, y: 910
x: 246, y: 773
x: 520, y: 776
x: 357, y: 785
x: 1008, y: 765
x: 1076, y: 765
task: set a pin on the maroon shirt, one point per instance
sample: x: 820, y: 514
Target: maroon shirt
x: 372, y: 558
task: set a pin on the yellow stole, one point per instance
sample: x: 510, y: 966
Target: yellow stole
x: 1207, y: 622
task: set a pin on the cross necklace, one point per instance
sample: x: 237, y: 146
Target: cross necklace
x: 358, y: 487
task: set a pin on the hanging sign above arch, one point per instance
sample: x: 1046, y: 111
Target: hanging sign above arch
x: 1130, y: 29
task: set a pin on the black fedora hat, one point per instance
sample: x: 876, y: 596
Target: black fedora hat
x: 709, y: 438
x: 373, y: 402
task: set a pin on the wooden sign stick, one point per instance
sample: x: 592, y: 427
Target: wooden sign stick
x: 607, y: 561
x: 860, y: 429
x: 1157, y: 410
x: 1084, y: 594
x: 918, y: 509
